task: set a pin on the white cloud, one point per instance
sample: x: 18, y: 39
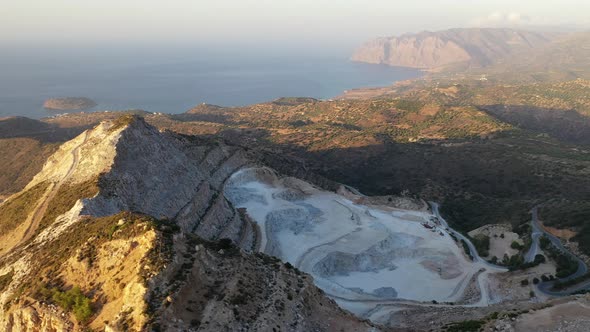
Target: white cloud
x: 499, y: 18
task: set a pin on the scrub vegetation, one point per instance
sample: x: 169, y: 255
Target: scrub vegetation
x: 16, y: 210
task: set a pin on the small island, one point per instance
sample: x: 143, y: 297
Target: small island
x: 69, y: 103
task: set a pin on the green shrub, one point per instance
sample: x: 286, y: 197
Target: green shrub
x: 566, y: 264
x: 73, y: 301
x: 16, y: 210
x: 482, y: 244
x: 560, y: 285
x: 466, y: 326
x: 544, y: 242
x: 516, y: 245
x: 539, y: 259
x: 466, y: 249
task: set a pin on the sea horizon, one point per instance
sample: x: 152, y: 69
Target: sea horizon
x: 175, y: 85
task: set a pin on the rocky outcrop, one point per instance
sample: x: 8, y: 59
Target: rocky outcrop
x: 39, y: 317
x: 428, y: 50
x: 69, y: 104
x: 227, y: 290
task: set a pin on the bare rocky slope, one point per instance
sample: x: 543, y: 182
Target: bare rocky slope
x: 126, y: 228
x: 475, y: 47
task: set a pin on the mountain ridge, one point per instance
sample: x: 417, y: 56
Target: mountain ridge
x: 476, y: 47
x: 138, y: 248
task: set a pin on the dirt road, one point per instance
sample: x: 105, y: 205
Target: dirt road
x: 35, y: 218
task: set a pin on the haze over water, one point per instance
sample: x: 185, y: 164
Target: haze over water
x: 170, y: 83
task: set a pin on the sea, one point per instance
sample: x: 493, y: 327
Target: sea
x: 169, y: 83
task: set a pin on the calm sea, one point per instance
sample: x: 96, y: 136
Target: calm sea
x: 174, y: 86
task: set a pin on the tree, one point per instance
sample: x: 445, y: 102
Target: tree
x: 536, y: 280
x: 544, y: 242
x: 524, y: 282
x: 539, y: 259
x: 482, y: 244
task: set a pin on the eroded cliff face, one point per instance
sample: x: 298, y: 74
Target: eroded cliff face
x: 120, y: 241
x: 429, y: 50
x: 38, y: 317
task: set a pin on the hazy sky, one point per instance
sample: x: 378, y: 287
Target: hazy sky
x: 324, y: 23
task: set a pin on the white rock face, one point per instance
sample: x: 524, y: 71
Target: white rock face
x: 94, y: 150
x: 143, y: 170
x: 360, y: 255
x: 149, y: 174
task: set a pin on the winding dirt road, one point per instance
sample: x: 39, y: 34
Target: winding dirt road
x: 546, y: 287
x: 35, y: 218
x: 482, y: 278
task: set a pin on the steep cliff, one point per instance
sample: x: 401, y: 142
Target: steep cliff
x: 476, y: 47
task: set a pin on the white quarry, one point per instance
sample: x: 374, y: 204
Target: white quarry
x: 366, y: 257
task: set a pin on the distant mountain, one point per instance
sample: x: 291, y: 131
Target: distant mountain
x: 475, y: 47
x: 566, y: 58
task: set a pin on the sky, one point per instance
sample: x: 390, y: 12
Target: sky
x: 266, y: 24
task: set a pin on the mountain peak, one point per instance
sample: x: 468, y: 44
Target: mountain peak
x: 92, y: 152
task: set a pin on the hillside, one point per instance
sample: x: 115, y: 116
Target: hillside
x: 128, y: 226
x: 426, y: 141
x: 473, y: 47
x: 489, y: 162
x: 114, y: 234
x: 566, y: 58
x: 25, y: 144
